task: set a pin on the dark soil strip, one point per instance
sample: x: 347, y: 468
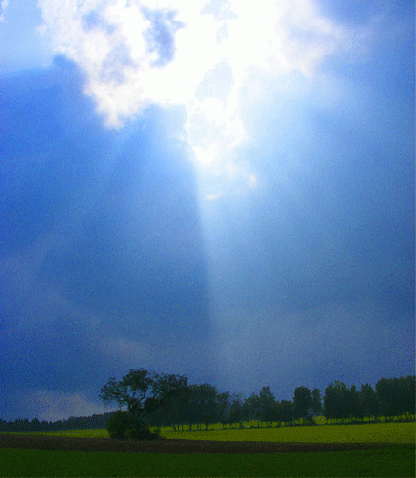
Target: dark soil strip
x: 45, y: 442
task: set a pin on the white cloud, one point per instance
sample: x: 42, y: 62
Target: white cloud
x: 136, y: 53
x: 3, y: 6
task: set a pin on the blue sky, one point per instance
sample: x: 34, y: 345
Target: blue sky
x: 223, y: 190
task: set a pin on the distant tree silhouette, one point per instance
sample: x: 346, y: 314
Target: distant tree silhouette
x: 302, y: 402
x: 173, y: 403
x: 353, y: 403
x: 203, y: 404
x: 236, y: 412
x: 285, y: 409
x: 368, y: 402
x: 408, y: 392
x: 223, y: 407
x: 396, y: 395
x: 252, y: 404
x: 268, y: 407
x: 336, y: 400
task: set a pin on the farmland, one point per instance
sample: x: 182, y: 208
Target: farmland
x: 397, y: 433
x: 396, y: 459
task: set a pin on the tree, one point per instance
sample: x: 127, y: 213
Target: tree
x: 203, y: 404
x: 408, y: 392
x: 267, y: 403
x: 123, y: 425
x: 252, y: 403
x: 200, y: 404
x: 317, y: 408
x: 396, y: 395
x: 353, y: 403
x: 131, y: 391
x: 236, y: 413
x: 285, y: 409
x: 302, y: 402
x: 389, y: 395
x: 223, y: 405
x: 368, y: 402
x: 35, y: 425
x: 173, y: 413
x: 336, y: 400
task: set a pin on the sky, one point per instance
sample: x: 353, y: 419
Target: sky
x: 220, y: 189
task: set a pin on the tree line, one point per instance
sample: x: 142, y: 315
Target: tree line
x: 203, y: 405
x: 96, y: 421
x: 174, y: 403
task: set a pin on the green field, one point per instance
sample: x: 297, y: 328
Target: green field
x: 398, y: 460
x: 391, y: 462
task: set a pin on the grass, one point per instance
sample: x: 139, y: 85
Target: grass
x: 391, y: 462
x: 398, y: 460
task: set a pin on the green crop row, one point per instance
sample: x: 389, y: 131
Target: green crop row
x: 384, y: 462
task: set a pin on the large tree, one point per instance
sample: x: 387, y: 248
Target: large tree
x: 202, y: 405
x: 368, y: 402
x: 396, y: 395
x: 285, y: 412
x: 268, y: 407
x: 132, y: 389
x: 336, y: 400
x: 353, y: 406
x: 302, y: 402
x: 173, y: 414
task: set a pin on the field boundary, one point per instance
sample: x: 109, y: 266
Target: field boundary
x: 166, y: 445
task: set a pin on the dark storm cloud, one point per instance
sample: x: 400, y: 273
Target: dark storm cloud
x: 41, y: 168
x: 100, y: 236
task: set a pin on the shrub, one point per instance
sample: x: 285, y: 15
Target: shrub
x: 122, y: 425
x: 117, y: 425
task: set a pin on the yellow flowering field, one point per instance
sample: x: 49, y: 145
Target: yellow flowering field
x: 377, y: 432
x: 394, y: 433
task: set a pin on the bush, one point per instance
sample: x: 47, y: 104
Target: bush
x: 117, y: 425
x: 139, y: 430
x: 122, y: 425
